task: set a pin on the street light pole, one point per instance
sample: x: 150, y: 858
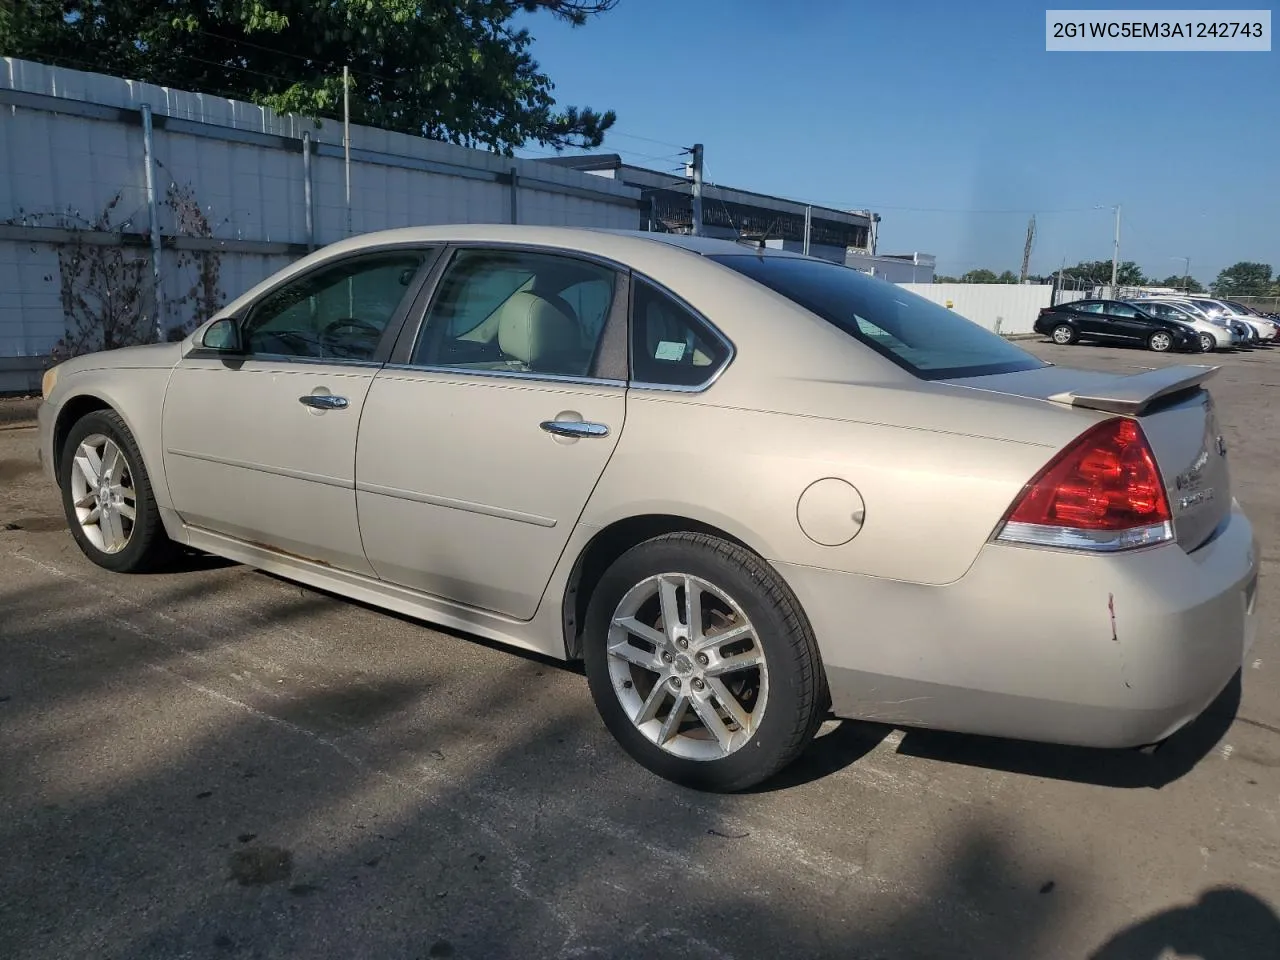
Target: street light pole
x: 1115, y: 257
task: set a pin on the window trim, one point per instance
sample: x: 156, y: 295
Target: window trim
x: 731, y: 350
x: 431, y: 254
x: 401, y: 354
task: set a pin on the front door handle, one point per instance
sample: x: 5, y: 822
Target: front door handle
x: 323, y: 401
x: 574, y: 428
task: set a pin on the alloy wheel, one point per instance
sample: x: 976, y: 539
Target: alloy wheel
x: 687, y: 667
x: 102, y: 493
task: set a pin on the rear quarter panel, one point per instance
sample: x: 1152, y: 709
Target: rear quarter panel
x: 932, y: 499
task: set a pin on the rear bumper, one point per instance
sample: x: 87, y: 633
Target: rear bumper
x: 1040, y: 644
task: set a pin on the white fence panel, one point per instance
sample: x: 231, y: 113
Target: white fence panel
x: 1006, y: 308
x: 70, y: 142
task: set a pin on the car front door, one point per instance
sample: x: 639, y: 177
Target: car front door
x: 480, y: 444
x: 260, y: 445
x: 1126, y: 323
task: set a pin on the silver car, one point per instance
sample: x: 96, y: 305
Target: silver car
x: 1214, y: 334
x: 750, y: 490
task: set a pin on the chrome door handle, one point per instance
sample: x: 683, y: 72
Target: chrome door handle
x: 323, y: 401
x: 574, y: 428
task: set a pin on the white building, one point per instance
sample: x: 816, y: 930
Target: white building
x: 894, y: 267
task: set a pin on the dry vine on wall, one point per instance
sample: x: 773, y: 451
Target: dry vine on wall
x: 105, y: 284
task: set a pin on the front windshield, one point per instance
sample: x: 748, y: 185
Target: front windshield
x: 927, y: 339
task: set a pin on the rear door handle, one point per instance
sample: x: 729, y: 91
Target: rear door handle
x: 574, y: 428
x: 323, y: 401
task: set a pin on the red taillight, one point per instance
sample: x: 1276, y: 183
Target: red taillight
x: 1106, y: 482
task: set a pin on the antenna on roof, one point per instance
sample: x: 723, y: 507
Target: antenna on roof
x: 760, y: 244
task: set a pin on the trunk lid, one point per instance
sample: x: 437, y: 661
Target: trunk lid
x: 1177, y: 414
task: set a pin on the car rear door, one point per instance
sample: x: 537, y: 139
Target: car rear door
x: 260, y: 446
x: 483, y: 438
x: 1087, y: 317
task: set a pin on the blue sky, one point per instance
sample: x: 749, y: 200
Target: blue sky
x: 948, y: 118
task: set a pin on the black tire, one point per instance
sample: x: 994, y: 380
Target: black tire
x: 148, y: 547
x: 1064, y: 335
x: 798, y: 699
x: 1161, y: 341
x: 1207, y: 343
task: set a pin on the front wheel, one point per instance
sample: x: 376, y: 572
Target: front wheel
x: 1207, y: 343
x: 701, y: 663
x: 1160, y: 341
x: 107, y: 497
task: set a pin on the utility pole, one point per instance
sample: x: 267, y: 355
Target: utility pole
x: 1026, y: 250
x: 1186, y: 276
x: 1115, y: 258
x: 346, y: 137
x: 808, y: 226
x: 697, y: 189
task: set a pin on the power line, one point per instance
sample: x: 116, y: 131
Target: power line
x: 661, y: 143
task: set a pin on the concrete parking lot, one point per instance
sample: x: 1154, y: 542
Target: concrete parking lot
x: 213, y: 762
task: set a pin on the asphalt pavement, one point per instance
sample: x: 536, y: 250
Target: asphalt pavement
x: 214, y: 762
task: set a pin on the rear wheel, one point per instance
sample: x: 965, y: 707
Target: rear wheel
x: 1064, y: 334
x: 1207, y: 343
x: 701, y: 663
x: 107, y: 497
x: 1161, y: 341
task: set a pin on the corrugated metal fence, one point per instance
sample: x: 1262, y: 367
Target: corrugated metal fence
x: 239, y: 191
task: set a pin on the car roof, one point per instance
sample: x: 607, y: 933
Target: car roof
x: 584, y: 239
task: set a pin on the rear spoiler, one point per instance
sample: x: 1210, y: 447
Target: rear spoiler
x: 1132, y: 395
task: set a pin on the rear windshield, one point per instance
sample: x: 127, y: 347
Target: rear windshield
x: 927, y: 339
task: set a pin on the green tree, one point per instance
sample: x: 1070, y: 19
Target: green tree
x: 1128, y: 273
x: 1190, y: 284
x: 980, y: 276
x: 455, y: 70
x: 1007, y: 277
x: 1244, y: 279
x: 943, y: 278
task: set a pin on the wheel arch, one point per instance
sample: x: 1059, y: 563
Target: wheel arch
x: 91, y: 397
x: 606, y: 546
x: 73, y: 410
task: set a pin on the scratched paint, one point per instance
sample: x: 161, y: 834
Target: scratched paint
x: 1111, y: 608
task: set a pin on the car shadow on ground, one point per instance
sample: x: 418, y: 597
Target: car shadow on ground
x: 1127, y: 769
x: 380, y: 812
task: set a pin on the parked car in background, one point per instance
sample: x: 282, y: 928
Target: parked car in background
x: 748, y: 489
x: 1248, y: 311
x: 1265, y: 330
x: 1214, y: 334
x: 1246, y: 333
x: 1114, y: 321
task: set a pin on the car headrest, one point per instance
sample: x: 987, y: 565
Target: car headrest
x: 534, y: 331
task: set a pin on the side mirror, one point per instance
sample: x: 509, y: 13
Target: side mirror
x: 224, y: 336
